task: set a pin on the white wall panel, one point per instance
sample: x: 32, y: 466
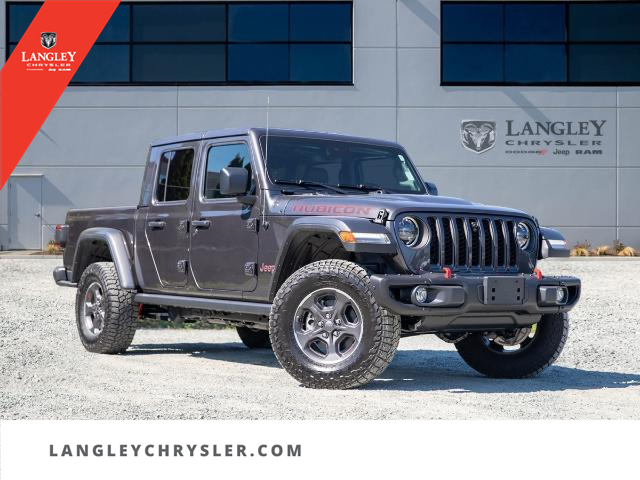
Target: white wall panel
x: 99, y: 136
x: 418, y: 23
x: 372, y: 122
x: 372, y: 27
x: 556, y: 196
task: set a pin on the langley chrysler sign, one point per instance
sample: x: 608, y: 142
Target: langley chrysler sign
x: 535, y: 137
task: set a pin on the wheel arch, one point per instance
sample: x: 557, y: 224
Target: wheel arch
x: 323, y: 233
x: 104, y: 244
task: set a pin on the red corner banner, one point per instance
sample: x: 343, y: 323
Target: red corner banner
x: 41, y: 67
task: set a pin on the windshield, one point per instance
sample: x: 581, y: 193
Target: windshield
x: 340, y: 164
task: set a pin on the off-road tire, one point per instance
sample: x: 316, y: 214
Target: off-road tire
x: 380, y: 328
x: 254, y: 338
x: 546, y: 346
x: 120, y: 310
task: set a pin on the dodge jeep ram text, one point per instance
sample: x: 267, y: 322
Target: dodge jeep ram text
x: 328, y: 248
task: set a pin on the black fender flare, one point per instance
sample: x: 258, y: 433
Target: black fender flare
x: 332, y: 225
x: 117, y: 244
x: 552, y: 244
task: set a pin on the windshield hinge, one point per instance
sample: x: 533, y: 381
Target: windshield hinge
x: 382, y: 216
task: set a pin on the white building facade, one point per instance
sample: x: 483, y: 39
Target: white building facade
x: 532, y: 130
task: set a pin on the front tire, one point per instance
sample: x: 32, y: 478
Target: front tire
x: 105, y: 313
x: 532, y: 353
x: 327, y: 330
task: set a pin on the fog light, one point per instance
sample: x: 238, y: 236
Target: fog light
x: 420, y: 294
x: 561, y: 296
x: 553, y: 295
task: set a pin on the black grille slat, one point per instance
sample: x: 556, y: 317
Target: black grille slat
x: 461, y: 232
x: 500, y: 243
x: 512, y: 244
x: 448, y: 241
x: 488, y: 243
x: 434, y: 247
x: 475, y: 242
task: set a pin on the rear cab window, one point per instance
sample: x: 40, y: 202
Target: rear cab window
x: 173, y: 183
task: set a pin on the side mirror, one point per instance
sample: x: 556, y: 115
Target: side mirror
x: 432, y: 189
x: 233, y: 181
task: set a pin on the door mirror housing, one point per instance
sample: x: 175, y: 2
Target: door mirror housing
x: 233, y: 181
x: 432, y: 189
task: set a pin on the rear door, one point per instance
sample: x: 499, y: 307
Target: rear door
x: 224, y: 238
x: 167, y: 220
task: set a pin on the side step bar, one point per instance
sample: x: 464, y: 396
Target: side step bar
x: 231, y: 306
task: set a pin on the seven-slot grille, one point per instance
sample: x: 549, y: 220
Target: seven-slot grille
x: 469, y: 242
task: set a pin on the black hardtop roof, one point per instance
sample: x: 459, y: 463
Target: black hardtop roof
x: 236, y: 132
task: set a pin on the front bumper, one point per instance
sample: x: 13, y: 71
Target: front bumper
x: 461, y: 303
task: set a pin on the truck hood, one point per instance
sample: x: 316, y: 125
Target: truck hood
x: 368, y: 206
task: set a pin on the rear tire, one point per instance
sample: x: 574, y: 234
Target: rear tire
x: 537, y: 351
x: 327, y: 330
x: 254, y: 338
x: 106, y: 316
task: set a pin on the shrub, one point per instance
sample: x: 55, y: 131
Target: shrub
x: 581, y: 249
x: 602, y: 250
x: 627, y: 252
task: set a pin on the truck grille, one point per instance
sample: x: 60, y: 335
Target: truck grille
x: 468, y: 242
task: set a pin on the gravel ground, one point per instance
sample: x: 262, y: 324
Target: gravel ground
x: 176, y: 374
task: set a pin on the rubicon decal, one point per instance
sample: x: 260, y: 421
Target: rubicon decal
x: 334, y: 210
x: 40, y: 68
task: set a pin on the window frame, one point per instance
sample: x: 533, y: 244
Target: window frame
x: 567, y: 43
x: 220, y: 142
x: 154, y: 196
x: 226, y: 42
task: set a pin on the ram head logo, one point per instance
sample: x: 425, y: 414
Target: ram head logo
x: 478, y: 135
x: 48, y: 39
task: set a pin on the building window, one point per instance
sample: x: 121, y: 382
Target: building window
x: 214, y: 43
x: 540, y: 43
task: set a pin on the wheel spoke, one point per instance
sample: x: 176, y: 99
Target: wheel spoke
x: 332, y: 349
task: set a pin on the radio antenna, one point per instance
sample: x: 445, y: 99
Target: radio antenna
x: 266, y: 163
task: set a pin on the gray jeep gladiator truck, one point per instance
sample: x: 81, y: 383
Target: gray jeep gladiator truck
x: 326, y: 247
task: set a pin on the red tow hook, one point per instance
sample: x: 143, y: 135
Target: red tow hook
x: 448, y: 273
x: 140, y: 307
x: 538, y: 273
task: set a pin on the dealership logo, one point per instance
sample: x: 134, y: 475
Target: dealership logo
x: 478, y: 135
x: 48, y: 39
x: 48, y: 61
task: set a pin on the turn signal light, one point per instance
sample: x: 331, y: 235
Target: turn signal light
x: 347, y: 237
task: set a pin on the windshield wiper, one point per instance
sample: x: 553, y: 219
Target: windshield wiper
x: 365, y: 187
x: 309, y: 183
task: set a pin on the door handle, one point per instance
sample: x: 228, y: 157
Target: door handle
x: 156, y: 225
x: 201, y: 224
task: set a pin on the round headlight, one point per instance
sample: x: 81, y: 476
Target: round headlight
x: 409, y: 231
x: 523, y: 235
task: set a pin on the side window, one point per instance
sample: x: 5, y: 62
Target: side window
x: 219, y: 157
x: 174, y: 176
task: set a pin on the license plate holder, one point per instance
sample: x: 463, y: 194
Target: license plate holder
x: 503, y: 290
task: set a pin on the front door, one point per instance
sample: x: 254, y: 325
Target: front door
x: 167, y: 220
x: 25, y: 212
x: 224, y: 242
